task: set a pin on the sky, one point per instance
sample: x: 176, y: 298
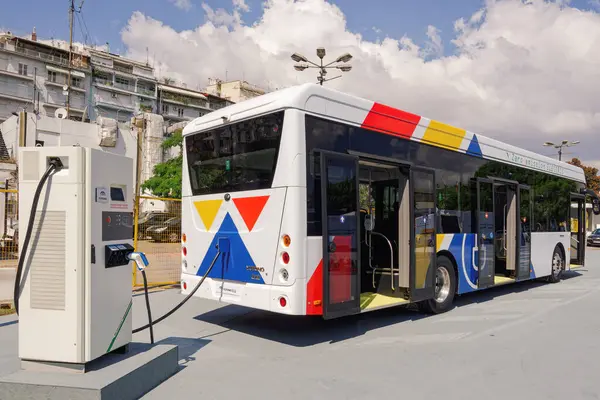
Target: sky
x: 521, y: 71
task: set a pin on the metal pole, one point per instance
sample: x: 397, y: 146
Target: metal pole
x: 71, y: 12
x: 136, y: 204
x: 560, y: 153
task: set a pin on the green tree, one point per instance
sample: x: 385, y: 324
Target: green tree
x: 591, y: 174
x: 166, y: 181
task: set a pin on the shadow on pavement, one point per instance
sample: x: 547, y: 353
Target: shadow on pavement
x: 303, y: 331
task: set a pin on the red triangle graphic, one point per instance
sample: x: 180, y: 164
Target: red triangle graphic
x: 250, y: 208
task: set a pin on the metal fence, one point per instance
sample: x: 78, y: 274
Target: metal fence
x: 9, y: 220
x: 157, y: 233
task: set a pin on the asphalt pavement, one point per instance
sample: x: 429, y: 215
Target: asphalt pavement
x: 530, y: 340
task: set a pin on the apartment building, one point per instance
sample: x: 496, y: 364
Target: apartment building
x: 121, y: 87
x: 33, y: 76
x: 178, y: 104
x: 234, y: 91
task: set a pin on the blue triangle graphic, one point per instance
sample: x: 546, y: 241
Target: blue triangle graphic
x: 231, y: 265
x: 474, y: 148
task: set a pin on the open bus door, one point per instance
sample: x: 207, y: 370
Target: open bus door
x: 341, y: 234
x: 485, y: 218
x: 577, y: 219
x: 423, y: 277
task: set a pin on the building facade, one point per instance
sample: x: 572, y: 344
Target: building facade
x: 34, y: 76
x: 234, y: 91
x: 121, y: 88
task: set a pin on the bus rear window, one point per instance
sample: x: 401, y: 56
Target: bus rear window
x: 240, y: 156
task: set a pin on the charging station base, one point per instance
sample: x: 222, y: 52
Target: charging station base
x: 113, y: 376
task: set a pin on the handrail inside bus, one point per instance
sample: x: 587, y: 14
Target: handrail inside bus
x: 369, y: 245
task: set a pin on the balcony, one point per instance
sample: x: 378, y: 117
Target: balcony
x: 127, y: 70
x: 168, y: 97
x: 16, y: 91
x: 16, y: 75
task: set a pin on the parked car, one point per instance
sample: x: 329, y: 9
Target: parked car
x: 151, y: 218
x: 594, y: 238
x: 168, y: 231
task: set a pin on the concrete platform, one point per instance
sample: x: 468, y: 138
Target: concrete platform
x: 114, y: 376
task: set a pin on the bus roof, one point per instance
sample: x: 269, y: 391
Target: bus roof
x: 329, y: 103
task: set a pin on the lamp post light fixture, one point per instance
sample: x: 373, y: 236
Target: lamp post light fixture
x: 564, y: 143
x: 344, y: 58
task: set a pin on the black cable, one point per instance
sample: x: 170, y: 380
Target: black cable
x: 55, y: 164
x: 183, y: 301
x: 148, y: 306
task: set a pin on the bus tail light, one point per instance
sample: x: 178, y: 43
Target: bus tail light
x: 184, y: 251
x: 184, y: 285
x: 287, y: 240
x: 285, y: 257
x: 184, y: 238
x: 282, y: 302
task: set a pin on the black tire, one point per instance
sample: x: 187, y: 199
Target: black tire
x: 446, y: 270
x: 557, y: 265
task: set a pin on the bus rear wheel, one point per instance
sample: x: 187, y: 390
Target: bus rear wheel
x: 445, y: 288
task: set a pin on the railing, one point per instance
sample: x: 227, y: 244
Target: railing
x: 184, y: 100
x: 123, y: 69
x: 146, y: 91
x: 24, y: 90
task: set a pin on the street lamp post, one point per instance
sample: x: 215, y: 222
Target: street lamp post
x: 322, y: 68
x: 564, y: 143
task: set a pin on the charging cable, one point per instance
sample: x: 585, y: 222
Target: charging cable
x: 151, y: 323
x: 55, y: 165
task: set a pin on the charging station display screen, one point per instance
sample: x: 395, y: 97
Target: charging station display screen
x: 117, y: 225
x: 117, y: 194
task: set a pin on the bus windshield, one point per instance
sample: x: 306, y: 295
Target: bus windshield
x: 240, y: 156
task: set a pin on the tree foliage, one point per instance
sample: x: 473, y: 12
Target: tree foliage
x: 166, y: 179
x: 591, y: 174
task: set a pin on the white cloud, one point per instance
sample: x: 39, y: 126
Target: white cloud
x: 241, y: 5
x: 185, y: 5
x: 525, y: 71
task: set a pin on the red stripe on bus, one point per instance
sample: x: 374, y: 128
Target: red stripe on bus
x: 390, y: 120
x: 314, y: 292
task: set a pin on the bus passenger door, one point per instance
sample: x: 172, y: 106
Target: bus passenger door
x: 341, y: 235
x: 578, y: 240
x: 485, y: 233
x: 524, y: 232
x: 423, y: 235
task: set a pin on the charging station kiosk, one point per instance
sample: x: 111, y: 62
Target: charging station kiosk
x: 76, y: 294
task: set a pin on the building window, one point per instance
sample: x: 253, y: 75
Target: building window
x: 76, y: 82
x: 52, y: 76
x: 122, y: 81
x: 165, y: 108
x: 201, y: 113
x: 22, y: 69
x: 180, y: 112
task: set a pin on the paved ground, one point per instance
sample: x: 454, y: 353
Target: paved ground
x: 525, y: 341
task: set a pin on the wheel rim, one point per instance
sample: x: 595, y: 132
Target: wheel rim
x: 442, y: 284
x: 556, y: 264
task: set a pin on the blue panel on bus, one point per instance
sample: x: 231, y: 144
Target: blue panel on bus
x: 235, y: 263
x: 461, y: 247
x: 474, y: 148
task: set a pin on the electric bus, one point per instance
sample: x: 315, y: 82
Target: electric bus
x: 309, y: 201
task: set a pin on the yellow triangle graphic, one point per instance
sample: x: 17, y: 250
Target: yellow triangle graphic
x: 208, y: 210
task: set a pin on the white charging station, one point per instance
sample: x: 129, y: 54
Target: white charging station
x: 76, y: 297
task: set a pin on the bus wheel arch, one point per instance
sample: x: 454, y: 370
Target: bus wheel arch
x: 558, y: 263
x: 447, y: 282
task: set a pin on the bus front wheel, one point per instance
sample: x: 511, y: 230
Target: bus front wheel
x: 558, y: 265
x: 445, y: 288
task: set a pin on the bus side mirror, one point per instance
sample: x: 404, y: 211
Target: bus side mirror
x: 596, y: 206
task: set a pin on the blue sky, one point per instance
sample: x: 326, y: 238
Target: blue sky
x: 106, y: 18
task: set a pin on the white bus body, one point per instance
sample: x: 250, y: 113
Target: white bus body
x: 300, y: 164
